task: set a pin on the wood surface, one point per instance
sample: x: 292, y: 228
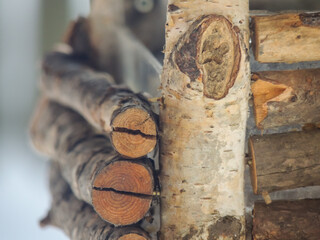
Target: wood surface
x: 289, y: 37
x: 119, y: 190
x: 287, y: 220
x: 108, y: 107
x: 285, y: 161
x: 286, y: 97
x: 205, y: 89
x: 77, y: 219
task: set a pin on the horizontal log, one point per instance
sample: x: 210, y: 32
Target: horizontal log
x: 119, y: 190
x: 77, y: 219
x: 286, y: 97
x: 290, y: 37
x: 287, y: 220
x: 106, y: 106
x: 78, y: 38
x: 284, y: 161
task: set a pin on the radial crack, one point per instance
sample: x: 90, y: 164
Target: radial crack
x: 133, y: 132
x: 139, y: 195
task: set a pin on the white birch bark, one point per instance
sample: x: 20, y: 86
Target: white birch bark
x: 203, y: 119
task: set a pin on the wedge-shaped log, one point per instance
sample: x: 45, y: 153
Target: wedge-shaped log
x: 286, y: 97
x: 106, y: 106
x: 287, y: 220
x: 287, y: 38
x: 285, y: 161
x: 77, y: 219
x: 119, y: 190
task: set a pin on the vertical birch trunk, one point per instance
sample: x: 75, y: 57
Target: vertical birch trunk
x: 205, y: 88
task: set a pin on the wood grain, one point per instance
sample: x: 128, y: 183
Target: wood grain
x: 287, y: 220
x: 286, y: 97
x: 290, y: 37
x: 285, y: 161
x: 77, y: 219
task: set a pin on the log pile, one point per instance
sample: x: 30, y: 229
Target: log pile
x: 287, y: 104
x: 98, y: 135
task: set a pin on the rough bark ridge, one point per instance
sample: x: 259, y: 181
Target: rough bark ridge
x: 106, y: 106
x: 202, y: 144
x: 77, y: 219
x: 287, y: 220
x: 119, y: 190
x: 286, y: 97
x: 286, y: 37
x: 285, y: 161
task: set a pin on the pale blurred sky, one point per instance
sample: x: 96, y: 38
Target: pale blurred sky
x: 24, y: 194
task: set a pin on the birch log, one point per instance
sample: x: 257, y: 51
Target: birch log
x: 286, y: 97
x: 77, y: 219
x: 119, y: 190
x: 292, y: 37
x: 205, y: 88
x: 287, y: 220
x: 108, y: 107
x: 285, y: 161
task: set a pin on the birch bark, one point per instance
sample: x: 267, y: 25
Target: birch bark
x: 205, y: 89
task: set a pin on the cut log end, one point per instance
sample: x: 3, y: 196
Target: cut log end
x: 122, y: 192
x: 134, y: 133
x: 132, y: 236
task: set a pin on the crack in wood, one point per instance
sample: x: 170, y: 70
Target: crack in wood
x: 138, y: 195
x: 133, y: 132
x: 289, y: 171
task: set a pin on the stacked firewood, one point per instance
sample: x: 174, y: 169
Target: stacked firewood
x: 98, y: 135
x: 287, y: 104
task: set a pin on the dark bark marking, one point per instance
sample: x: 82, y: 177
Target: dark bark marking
x: 192, y: 232
x: 228, y: 226
x: 210, y: 52
x: 310, y: 19
x: 173, y: 8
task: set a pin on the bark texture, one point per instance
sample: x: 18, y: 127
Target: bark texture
x: 285, y: 161
x: 290, y: 37
x: 106, y: 106
x: 119, y: 190
x: 77, y: 219
x: 287, y: 220
x: 286, y: 97
x: 205, y: 88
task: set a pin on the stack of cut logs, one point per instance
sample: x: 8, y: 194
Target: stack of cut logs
x: 98, y: 135
x: 289, y: 159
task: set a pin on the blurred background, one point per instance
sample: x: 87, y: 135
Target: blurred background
x: 28, y: 29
